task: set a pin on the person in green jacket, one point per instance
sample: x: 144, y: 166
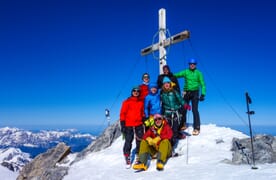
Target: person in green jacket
x: 172, y: 103
x: 194, y: 91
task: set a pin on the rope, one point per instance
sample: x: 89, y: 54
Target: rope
x: 123, y: 87
x: 132, y: 70
x: 166, y: 31
x: 146, y: 62
x: 216, y: 87
x: 124, y: 84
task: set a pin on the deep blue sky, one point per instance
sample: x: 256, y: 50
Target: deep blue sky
x: 64, y: 62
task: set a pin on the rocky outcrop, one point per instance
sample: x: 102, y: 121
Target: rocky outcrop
x: 264, y: 150
x: 8, y: 165
x: 110, y: 134
x: 48, y: 166
x: 44, y: 166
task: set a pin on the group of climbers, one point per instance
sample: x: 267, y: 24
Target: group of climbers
x: 155, y: 114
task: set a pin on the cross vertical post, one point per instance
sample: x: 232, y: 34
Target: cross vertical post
x: 163, y: 42
x: 162, y: 38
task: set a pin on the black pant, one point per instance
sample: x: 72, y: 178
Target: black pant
x: 192, y: 96
x: 173, y: 119
x: 129, y: 136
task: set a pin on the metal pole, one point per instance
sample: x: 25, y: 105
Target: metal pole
x: 162, y: 38
x: 248, y: 101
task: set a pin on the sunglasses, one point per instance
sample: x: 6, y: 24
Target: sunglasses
x: 192, y: 64
x: 159, y: 118
x: 135, y: 90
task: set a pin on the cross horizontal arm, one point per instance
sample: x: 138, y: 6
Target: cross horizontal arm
x: 172, y: 40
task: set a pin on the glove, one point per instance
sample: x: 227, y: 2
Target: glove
x: 123, y: 127
x: 201, y: 98
x: 187, y: 107
x: 186, y: 95
x: 155, y: 142
x: 144, y: 119
x: 149, y: 122
x: 173, y: 84
x: 149, y: 140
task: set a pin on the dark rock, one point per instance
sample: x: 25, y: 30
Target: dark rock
x: 44, y: 166
x: 8, y: 165
x: 264, y: 150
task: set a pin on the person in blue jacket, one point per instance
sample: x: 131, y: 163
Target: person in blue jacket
x: 152, y: 104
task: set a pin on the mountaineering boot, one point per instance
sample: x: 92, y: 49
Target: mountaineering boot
x: 181, y: 135
x: 174, y: 154
x: 154, y: 156
x: 128, y: 162
x: 195, y: 132
x: 183, y: 128
x: 140, y: 166
x: 160, y: 165
x: 137, y: 159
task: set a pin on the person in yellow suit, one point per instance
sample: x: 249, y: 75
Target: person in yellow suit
x: 156, y: 140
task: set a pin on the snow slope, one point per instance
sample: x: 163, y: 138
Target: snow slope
x: 202, y: 157
x: 6, y: 174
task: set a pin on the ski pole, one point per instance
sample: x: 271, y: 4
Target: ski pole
x: 249, y: 101
x: 241, y: 148
x: 187, y: 151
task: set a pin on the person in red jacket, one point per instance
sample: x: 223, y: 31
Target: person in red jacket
x: 155, y: 140
x: 144, y: 87
x: 131, y: 115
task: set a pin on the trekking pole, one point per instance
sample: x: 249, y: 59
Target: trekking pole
x: 241, y: 148
x: 249, y: 101
x: 187, y: 150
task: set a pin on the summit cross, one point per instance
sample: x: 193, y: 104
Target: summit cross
x: 163, y: 42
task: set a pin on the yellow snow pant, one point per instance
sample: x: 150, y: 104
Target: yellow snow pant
x: 163, y: 151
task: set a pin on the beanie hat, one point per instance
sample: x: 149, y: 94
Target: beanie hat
x: 152, y: 85
x: 166, y: 66
x: 145, y: 75
x: 166, y: 80
x: 157, y: 116
x: 135, y: 88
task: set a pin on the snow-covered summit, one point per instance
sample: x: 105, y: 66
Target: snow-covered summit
x: 202, y: 157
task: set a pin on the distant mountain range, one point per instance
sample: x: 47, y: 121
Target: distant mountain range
x: 38, y: 142
x: 18, y: 146
x: 13, y: 158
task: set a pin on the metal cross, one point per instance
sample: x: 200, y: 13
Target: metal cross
x: 163, y: 42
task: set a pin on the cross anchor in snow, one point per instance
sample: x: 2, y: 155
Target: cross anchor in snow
x: 163, y: 42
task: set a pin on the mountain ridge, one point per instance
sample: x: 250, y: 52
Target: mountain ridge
x: 38, y: 142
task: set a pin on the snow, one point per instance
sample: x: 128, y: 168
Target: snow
x: 6, y: 174
x: 202, y: 157
x: 29, y: 145
x: 12, y: 154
